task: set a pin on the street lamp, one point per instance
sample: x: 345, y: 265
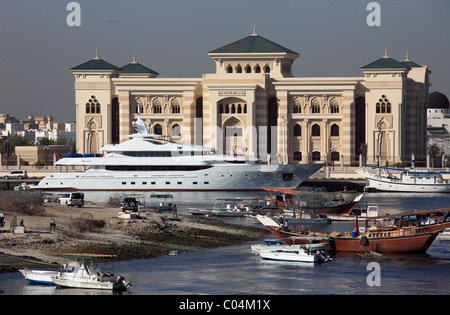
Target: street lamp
x: 333, y: 149
x: 284, y: 139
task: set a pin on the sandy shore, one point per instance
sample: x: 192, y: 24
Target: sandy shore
x: 96, y: 229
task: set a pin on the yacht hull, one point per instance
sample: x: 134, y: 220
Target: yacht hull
x: 218, y: 178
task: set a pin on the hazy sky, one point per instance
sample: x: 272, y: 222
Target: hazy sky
x: 173, y: 37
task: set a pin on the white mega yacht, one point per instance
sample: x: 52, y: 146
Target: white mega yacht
x: 149, y: 162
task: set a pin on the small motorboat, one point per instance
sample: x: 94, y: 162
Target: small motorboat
x: 37, y: 276
x: 85, y: 278
x: 289, y: 248
x: 88, y: 278
x: 444, y: 235
x: 300, y: 255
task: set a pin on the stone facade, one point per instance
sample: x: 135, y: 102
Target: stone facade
x: 253, y: 105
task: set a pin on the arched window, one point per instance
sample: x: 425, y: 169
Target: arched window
x: 257, y: 69
x: 266, y: 69
x: 297, y: 106
x: 315, y: 106
x: 176, y: 107
x: 229, y: 69
x: 239, y: 69
x: 227, y: 109
x: 176, y: 130
x: 157, y: 129
x: 315, y: 156
x: 315, y: 130
x: 233, y: 109
x: 297, y: 130
x: 245, y: 108
x: 383, y: 105
x: 248, y: 69
x: 93, y: 106
x: 157, y: 108
x: 334, y: 106
x: 297, y: 156
x: 220, y: 109
x: 334, y: 130
x: 239, y: 109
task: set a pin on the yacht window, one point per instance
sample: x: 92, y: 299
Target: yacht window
x: 128, y: 168
x: 154, y: 142
x: 144, y: 183
x: 167, y: 183
x: 124, y: 183
x: 148, y: 153
x: 153, y: 183
x: 206, y: 183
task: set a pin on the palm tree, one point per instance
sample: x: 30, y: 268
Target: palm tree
x: 433, y: 151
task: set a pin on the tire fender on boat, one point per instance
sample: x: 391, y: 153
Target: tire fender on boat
x: 364, y: 240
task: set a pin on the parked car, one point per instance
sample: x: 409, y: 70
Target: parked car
x: 72, y: 199
x: 16, y: 175
x: 129, y: 204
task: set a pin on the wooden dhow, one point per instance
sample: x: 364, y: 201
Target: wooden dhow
x: 411, y: 232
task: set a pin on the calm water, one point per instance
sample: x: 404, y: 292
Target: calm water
x: 236, y: 270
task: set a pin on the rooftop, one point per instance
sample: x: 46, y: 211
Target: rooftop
x: 253, y: 44
x: 96, y: 64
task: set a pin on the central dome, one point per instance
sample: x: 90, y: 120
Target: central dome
x: 438, y: 100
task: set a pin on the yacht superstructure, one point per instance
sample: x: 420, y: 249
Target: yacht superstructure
x: 149, y: 162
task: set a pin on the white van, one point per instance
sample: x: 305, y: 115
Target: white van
x: 72, y: 199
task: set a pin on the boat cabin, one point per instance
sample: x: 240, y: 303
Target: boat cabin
x: 417, y: 177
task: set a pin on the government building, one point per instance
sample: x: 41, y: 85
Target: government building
x: 253, y: 106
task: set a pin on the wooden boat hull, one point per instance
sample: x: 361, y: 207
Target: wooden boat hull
x: 407, y: 244
x: 345, y: 208
x: 404, y: 240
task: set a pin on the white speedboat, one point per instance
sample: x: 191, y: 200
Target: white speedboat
x: 296, y: 256
x: 225, y: 207
x: 412, y: 180
x: 293, y: 220
x: 289, y: 248
x: 149, y: 162
x: 37, y: 276
x: 444, y: 235
x: 86, y: 278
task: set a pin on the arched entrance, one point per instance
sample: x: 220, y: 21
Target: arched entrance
x: 272, y: 118
x: 115, y: 123
x: 233, y: 135
x: 360, y: 125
